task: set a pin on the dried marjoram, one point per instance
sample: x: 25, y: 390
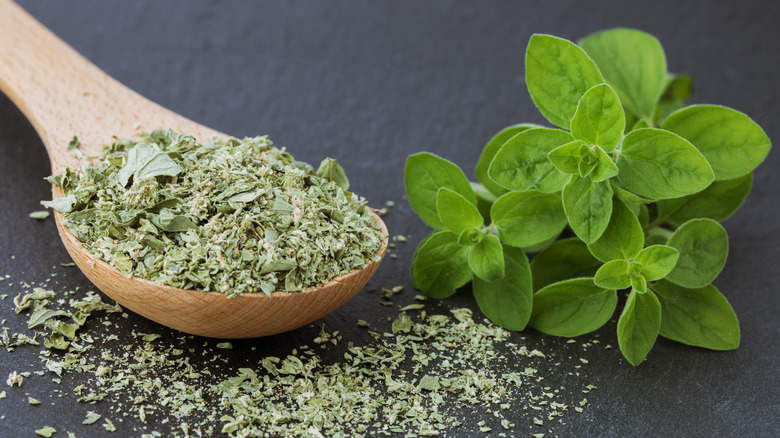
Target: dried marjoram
x: 232, y: 216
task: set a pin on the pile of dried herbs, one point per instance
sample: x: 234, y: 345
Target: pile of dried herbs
x: 428, y: 372
x: 232, y: 216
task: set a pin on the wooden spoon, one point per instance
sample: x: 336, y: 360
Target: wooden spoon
x: 63, y: 94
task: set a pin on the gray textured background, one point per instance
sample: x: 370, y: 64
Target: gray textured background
x: 372, y: 82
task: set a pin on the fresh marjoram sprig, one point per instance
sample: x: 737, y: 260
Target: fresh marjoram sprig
x: 641, y: 180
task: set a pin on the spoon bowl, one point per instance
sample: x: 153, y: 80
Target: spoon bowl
x: 213, y: 314
x: 64, y: 95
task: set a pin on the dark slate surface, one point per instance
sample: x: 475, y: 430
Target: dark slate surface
x: 372, y: 82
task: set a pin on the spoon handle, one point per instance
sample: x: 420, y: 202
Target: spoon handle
x: 64, y: 95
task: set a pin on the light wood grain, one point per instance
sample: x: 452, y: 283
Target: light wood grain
x: 64, y: 95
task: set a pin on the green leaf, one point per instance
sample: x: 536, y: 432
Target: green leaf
x: 572, y: 307
x: 659, y: 164
x: 634, y: 268
x: 643, y: 215
x: 56, y: 340
x: 169, y: 221
x: 440, y: 265
x: 599, y: 118
x: 586, y: 166
x: 701, y: 317
x: 91, y: 418
x: 486, y: 259
x: 718, y: 201
x: 657, y: 261
x: 664, y: 108
x: 456, y: 212
x: 613, y: 275
x: 588, y: 206
x: 679, y: 87
x: 470, y: 237
x: 633, y: 63
x: 46, y: 431
x: 558, y: 73
x: 704, y: 246
x: 508, y: 301
x: 732, y: 143
x: 631, y: 121
x: 564, y: 259
x: 636, y: 209
x: 331, y: 170
x: 638, y: 326
x: 622, y: 239
x: 638, y: 283
x: 158, y: 164
x: 489, y: 152
x: 658, y: 236
x: 605, y: 167
x: 640, y: 125
x: 424, y: 175
x: 147, y: 161
x: 279, y: 265
x: 566, y: 158
x: 527, y: 218
x: 522, y: 161
x: 42, y: 314
x: 628, y: 197
x: 63, y: 204
x: 639, y: 210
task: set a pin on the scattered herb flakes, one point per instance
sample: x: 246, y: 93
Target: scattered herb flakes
x: 109, y: 425
x: 413, y: 307
x: 40, y: 215
x: 151, y: 337
x: 420, y: 378
x: 225, y: 345
x: 73, y: 146
x: 402, y: 323
x: 431, y: 383
x: 588, y: 389
x: 230, y: 216
x: 67, y: 265
x: 91, y: 418
x: 46, y: 431
x: 2, y: 395
x: 33, y: 401
x: 15, y: 378
x: 377, y: 388
x: 389, y: 293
